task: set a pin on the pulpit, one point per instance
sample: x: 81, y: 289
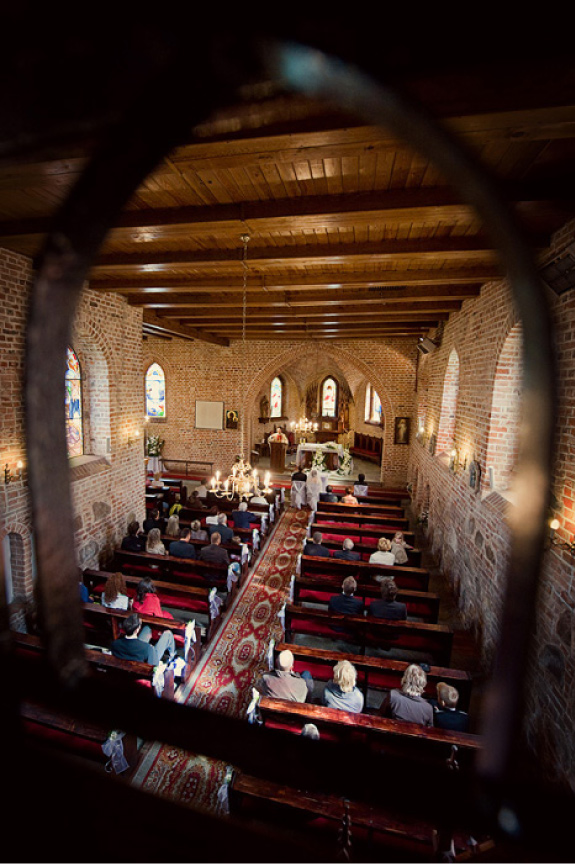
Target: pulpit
x: 277, y: 456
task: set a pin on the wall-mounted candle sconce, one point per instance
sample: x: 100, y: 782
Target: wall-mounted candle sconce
x: 7, y: 474
x: 19, y: 469
x: 454, y: 460
x: 134, y: 438
x: 554, y: 524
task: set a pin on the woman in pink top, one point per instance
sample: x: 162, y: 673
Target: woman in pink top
x: 147, y: 601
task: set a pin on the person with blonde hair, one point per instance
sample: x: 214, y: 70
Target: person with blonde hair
x: 342, y: 692
x: 154, y: 544
x: 349, y: 497
x: 115, y: 595
x: 399, y: 546
x: 173, y: 526
x: 384, y: 555
x: 408, y: 703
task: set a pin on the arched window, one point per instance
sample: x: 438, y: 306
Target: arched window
x: 276, y: 398
x: 73, y: 402
x: 155, y: 391
x: 329, y: 398
x: 372, y: 406
x: 446, y: 432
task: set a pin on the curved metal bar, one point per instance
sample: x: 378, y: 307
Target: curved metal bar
x: 317, y: 75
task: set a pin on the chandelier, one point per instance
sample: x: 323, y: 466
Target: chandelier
x: 243, y: 481
x: 303, y: 426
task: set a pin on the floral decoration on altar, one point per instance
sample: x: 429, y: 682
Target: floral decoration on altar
x: 318, y: 460
x: 155, y: 445
x: 346, y: 463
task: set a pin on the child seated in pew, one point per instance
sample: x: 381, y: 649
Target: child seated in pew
x: 445, y: 712
x: 341, y: 692
x: 115, y: 594
x: 398, y: 547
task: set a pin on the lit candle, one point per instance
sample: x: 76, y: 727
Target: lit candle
x: 213, y: 482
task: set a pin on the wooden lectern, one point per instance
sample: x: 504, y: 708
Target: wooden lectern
x: 277, y: 456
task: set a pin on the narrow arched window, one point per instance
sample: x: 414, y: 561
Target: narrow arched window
x: 155, y: 391
x: 73, y: 403
x: 447, y: 418
x: 372, y: 406
x: 329, y: 398
x: 276, y: 398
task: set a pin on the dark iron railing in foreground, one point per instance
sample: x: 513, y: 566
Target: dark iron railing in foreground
x: 159, y: 114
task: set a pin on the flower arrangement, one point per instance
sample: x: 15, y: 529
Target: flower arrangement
x: 155, y: 445
x: 318, y: 461
x: 346, y: 464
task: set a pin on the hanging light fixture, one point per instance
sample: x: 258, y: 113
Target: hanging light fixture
x: 243, y: 481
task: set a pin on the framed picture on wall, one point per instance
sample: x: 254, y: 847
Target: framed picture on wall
x: 232, y: 419
x: 401, y: 435
x: 209, y: 415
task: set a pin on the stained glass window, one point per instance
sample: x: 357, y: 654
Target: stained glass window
x: 73, y: 403
x: 155, y: 391
x: 328, y: 398
x: 276, y: 395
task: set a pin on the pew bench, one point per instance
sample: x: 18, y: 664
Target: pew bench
x: 397, y: 738
x: 183, y: 571
x: 358, y: 521
x: 374, y: 673
x: 420, y: 604
x: 191, y: 599
x: 358, y: 533
x: 365, y: 550
x: 434, y: 641
x: 408, y: 578
x: 362, y: 509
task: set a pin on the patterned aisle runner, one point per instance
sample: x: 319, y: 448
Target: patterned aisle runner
x: 223, y: 680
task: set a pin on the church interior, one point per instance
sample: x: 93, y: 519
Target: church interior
x: 284, y: 252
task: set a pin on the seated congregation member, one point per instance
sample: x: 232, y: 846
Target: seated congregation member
x: 345, y: 603
x: 313, y: 488
x: 177, y: 505
x: 133, y: 541
x: 346, y: 553
x: 115, y: 594
x: 408, y: 704
x: 398, y: 547
x: 147, y: 601
x: 329, y: 495
x: 152, y: 521
x: 225, y: 533
x: 259, y: 499
x: 214, y: 553
x: 445, y: 712
x: 388, y: 607
x: 242, y: 516
x: 384, y: 555
x: 84, y: 593
x: 182, y: 548
x: 360, y: 488
x: 202, y: 490
x: 195, y: 501
x: 135, y: 643
x: 310, y: 730
x: 314, y: 546
x: 197, y: 532
x: 342, y: 692
x: 154, y: 545
x: 284, y: 683
x: 349, y: 497
x: 212, y: 518
x: 173, y: 526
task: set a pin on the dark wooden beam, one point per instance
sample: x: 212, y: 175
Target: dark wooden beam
x: 153, y: 325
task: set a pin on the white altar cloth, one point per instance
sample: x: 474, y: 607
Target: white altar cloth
x: 302, y: 448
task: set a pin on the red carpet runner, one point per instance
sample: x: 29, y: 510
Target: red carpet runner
x: 223, y: 680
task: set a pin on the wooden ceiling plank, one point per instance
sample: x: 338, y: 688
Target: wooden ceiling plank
x: 152, y: 322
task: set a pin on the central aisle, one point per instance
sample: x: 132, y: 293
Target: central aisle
x: 223, y: 679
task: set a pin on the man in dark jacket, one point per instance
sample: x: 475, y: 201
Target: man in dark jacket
x: 345, y: 603
x: 345, y: 553
x: 328, y: 495
x: 214, y: 554
x: 131, y: 647
x: 182, y: 548
x: 226, y: 534
x: 314, y: 547
x: 243, y: 518
x: 445, y: 712
x: 388, y: 607
x: 133, y: 541
x: 152, y: 521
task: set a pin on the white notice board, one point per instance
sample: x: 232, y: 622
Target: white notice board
x: 209, y: 415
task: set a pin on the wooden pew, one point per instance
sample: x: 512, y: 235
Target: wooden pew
x: 379, y: 734
x: 192, y: 599
x: 245, y: 534
x: 383, y: 510
x: 181, y: 571
x: 358, y: 533
x: 433, y: 640
x: 413, y: 555
x: 373, y: 829
x: 374, y: 673
x: 420, y: 604
x: 383, y: 523
x: 408, y: 578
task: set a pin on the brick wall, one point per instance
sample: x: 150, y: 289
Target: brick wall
x: 467, y: 528
x: 107, y: 485
x: 197, y: 371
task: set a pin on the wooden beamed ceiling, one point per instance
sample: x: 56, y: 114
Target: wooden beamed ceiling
x: 352, y: 234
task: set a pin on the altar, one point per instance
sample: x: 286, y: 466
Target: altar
x: 305, y: 453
